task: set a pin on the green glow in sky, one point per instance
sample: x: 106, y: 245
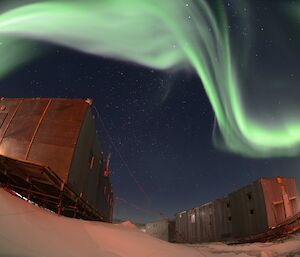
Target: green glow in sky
x: 158, y: 34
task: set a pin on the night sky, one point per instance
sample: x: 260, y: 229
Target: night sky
x: 158, y: 124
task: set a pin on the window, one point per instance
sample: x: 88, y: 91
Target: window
x: 229, y: 218
x: 228, y: 205
x: 249, y: 196
x: 210, y: 220
x: 251, y: 211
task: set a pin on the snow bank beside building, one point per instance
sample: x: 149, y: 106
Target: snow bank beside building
x: 29, y: 231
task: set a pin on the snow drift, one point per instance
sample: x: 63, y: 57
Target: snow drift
x: 29, y: 231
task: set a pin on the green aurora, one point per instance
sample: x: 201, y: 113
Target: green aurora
x: 162, y: 35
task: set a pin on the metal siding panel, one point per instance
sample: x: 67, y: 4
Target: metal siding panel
x: 82, y: 179
x: 159, y: 229
x: 171, y: 231
x: 21, y: 128
x: 97, y: 169
x: 247, y: 209
x: 181, y: 227
x: 243, y: 222
x: 3, y: 116
x: 222, y: 215
x: 207, y: 220
x: 79, y: 166
x: 274, y: 199
x: 56, y: 138
x: 62, y: 123
x: 272, y: 194
x: 205, y: 224
x: 95, y: 183
x: 198, y: 225
x: 25, y: 121
x: 56, y: 157
x: 291, y: 188
x: 10, y: 107
x: 57, y: 133
x: 192, y: 226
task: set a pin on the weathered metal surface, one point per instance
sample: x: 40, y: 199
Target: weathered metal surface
x: 61, y: 134
x: 42, y: 130
x: 248, y: 210
x: 281, y: 199
x: 222, y: 219
x: 286, y: 228
x: 204, y: 223
x: 192, y: 225
x: 264, y: 209
x: 206, y: 228
x: 181, y: 227
x: 162, y: 229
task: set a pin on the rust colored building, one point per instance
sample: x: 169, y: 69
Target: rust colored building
x: 263, y: 205
x: 50, y: 153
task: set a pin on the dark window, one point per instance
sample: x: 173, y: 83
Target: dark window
x: 251, y: 211
x: 228, y: 204
x: 210, y: 220
x: 229, y: 218
x: 249, y: 196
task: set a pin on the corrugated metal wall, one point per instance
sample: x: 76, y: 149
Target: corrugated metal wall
x: 181, y: 227
x: 206, y: 227
x: 192, y: 226
x: 59, y: 133
x: 41, y: 130
x: 223, y: 218
x: 248, y: 210
x: 206, y: 223
x: 163, y: 229
x: 86, y: 172
x: 282, y: 199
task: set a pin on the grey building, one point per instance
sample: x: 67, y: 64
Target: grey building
x: 206, y: 223
x: 262, y: 205
x: 252, y: 210
x: 162, y: 229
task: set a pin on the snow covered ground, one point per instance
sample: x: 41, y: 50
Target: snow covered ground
x: 29, y: 231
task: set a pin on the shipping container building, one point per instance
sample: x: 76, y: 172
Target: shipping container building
x: 162, y: 229
x: 248, y: 210
x: 50, y: 153
x: 206, y: 223
x: 252, y: 210
x: 262, y: 205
